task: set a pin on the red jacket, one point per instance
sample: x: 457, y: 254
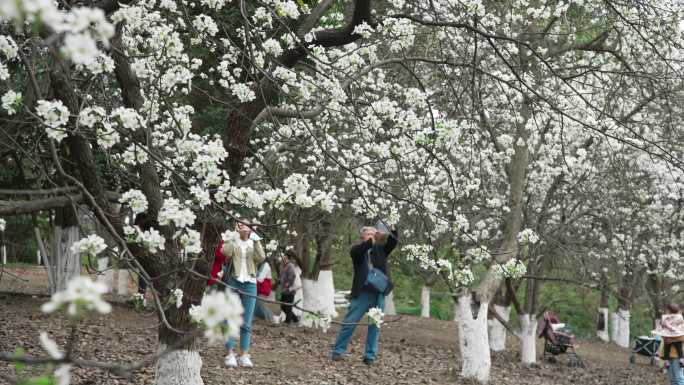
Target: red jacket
x: 218, y: 264
x: 264, y: 287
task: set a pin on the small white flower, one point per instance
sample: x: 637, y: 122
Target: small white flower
x: 81, y: 294
x: 91, y: 245
x: 63, y: 375
x: 11, y: 101
x: 136, y: 200
x: 50, y: 346
x: 3, y: 224
x: 221, y: 315
x: 177, y: 297
x: 376, y: 316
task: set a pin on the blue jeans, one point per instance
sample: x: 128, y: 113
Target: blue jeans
x: 674, y: 372
x: 248, y: 304
x: 358, y: 307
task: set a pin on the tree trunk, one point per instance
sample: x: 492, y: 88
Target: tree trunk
x: 497, y: 331
x: 622, y: 338
x: 319, y: 295
x: 602, y: 321
x: 390, y: 309
x: 299, y: 294
x: 181, y: 367
x: 528, y: 339
x: 614, y: 326
x: 64, y: 264
x: 622, y: 315
x: 122, y: 282
x: 473, y: 341
x: 103, y: 272
x: 425, y: 302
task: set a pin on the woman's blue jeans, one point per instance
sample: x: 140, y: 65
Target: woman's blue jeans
x: 248, y: 302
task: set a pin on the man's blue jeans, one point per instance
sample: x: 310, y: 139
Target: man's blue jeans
x: 248, y: 303
x: 675, y: 372
x: 358, y: 307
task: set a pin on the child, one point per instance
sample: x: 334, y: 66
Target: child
x: 672, y: 325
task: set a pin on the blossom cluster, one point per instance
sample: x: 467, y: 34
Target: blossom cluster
x: 80, y: 294
x: 91, y: 245
x: 220, y: 314
x: 376, y: 316
x: 513, y: 268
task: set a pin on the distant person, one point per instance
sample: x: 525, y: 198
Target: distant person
x: 671, y: 328
x: 375, y: 246
x: 286, y: 280
x: 241, y: 256
x: 264, y: 288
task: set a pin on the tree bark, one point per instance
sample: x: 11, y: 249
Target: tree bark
x: 65, y: 264
x: 425, y: 302
x: 473, y: 340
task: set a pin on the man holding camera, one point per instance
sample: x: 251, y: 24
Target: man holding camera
x: 368, y: 256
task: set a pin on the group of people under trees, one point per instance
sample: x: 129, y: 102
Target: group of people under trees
x: 240, y: 265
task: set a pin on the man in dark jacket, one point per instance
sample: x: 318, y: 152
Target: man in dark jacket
x: 376, y: 245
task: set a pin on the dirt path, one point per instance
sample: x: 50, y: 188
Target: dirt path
x: 412, y: 351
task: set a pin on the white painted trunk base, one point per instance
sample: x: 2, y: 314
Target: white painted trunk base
x: 603, y: 334
x: 614, y: 324
x: 622, y: 339
x: 473, y: 341
x: 122, y: 282
x: 319, y: 296
x: 103, y: 274
x: 425, y: 302
x: 64, y: 264
x: 497, y: 332
x: 299, y: 295
x: 390, y: 309
x: 528, y: 339
x: 180, y: 367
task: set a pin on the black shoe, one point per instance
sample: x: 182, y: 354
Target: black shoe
x: 337, y: 357
x: 368, y: 361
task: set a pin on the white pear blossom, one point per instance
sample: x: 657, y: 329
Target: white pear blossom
x: 11, y: 101
x: 172, y: 211
x: 80, y: 48
x: 80, y: 294
x: 376, y: 316
x: 50, y: 346
x: 136, y: 200
x: 220, y: 314
x: 191, y: 242
x: 528, y: 236
x: 55, y: 115
x: 92, y: 245
x: 176, y: 297
x: 3, y: 224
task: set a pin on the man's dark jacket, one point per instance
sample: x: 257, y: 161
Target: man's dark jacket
x: 378, y: 256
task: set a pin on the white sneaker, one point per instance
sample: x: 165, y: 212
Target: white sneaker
x: 245, y: 361
x: 230, y: 361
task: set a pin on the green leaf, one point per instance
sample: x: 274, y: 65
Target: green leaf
x: 301, y: 3
x: 43, y: 380
x: 19, y: 353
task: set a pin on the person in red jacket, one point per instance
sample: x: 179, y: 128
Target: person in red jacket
x: 264, y: 288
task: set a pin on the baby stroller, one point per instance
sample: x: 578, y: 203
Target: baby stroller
x: 558, y: 339
x: 645, y: 346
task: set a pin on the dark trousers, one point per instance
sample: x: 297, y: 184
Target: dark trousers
x: 678, y: 348
x: 286, y: 307
x: 142, y: 285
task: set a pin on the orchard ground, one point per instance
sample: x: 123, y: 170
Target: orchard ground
x: 412, y: 350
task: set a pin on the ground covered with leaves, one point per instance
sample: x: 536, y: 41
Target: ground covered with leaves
x: 412, y: 351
